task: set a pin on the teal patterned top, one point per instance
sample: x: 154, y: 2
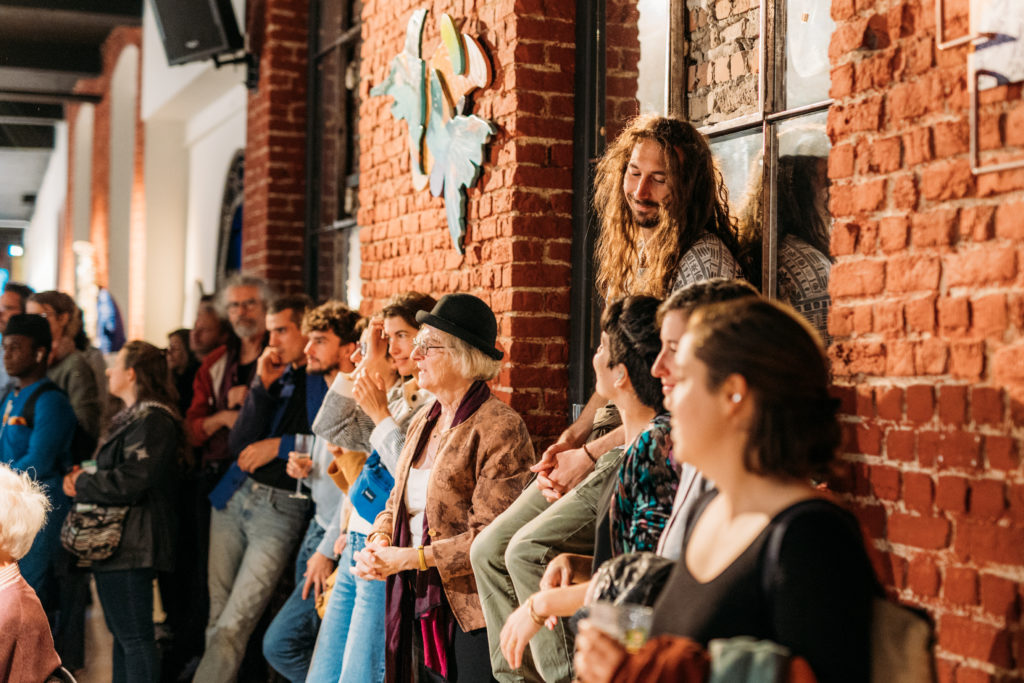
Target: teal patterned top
x: 646, y: 487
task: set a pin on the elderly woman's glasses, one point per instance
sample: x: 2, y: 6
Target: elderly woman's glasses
x: 425, y: 346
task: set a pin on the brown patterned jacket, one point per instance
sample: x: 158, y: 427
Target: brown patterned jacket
x: 481, y: 467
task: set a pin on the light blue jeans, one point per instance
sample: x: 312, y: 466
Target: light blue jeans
x: 250, y: 542
x: 288, y: 642
x: 356, y: 656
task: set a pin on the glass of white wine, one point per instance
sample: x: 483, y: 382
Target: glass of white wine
x: 303, y: 446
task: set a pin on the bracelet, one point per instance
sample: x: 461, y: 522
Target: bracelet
x: 534, y: 617
x: 589, y: 454
x: 423, y: 558
x: 375, y: 534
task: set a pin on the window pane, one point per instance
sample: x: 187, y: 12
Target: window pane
x: 803, y: 221
x: 809, y: 28
x: 636, y: 60
x: 739, y: 159
x: 338, y: 266
x: 724, y: 51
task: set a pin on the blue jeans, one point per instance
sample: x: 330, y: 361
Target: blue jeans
x: 355, y: 656
x: 250, y: 542
x: 289, y: 640
x: 127, y: 600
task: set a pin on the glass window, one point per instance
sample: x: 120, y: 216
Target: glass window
x: 333, y: 243
x: 809, y: 28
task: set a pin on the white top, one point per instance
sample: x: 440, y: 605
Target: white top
x: 416, y: 502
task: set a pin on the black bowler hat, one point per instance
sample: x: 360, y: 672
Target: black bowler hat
x: 32, y: 326
x: 466, y: 317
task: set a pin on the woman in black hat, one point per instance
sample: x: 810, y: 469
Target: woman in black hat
x: 466, y: 458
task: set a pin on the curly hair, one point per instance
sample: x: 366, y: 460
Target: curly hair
x: 697, y: 203
x: 336, y: 317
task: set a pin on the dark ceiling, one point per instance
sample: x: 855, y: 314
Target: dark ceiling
x: 46, y: 46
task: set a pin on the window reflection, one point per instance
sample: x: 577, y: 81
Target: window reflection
x: 736, y: 155
x: 809, y: 28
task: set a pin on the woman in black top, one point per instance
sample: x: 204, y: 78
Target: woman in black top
x: 136, y: 467
x: 766, y: 555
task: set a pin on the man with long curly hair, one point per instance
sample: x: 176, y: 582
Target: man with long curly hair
x: 665, y: 223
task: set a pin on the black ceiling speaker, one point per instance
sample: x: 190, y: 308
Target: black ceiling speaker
x: 193, y: 30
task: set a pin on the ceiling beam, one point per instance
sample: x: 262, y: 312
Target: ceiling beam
x: 30, y: 113
x: 120, y: 8
x: 49, y: 97
x: 81, y: 60
x: 26, y: 137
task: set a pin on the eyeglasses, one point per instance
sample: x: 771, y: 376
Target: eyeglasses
x: 247, y: 304
x: 425, y: 346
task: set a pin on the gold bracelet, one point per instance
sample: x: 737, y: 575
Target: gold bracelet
x: 589, y: 454
x: 423, y: 558
x: 375, y: 534
x: 536, y: 618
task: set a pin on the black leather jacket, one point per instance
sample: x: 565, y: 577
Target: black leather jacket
x: 137, y: 465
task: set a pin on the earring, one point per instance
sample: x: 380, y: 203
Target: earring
x: 736, y: 398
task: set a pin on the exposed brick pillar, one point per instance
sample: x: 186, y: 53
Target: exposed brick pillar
x: 519, y: 217
x: 928, y: 321
x: 275, y: 151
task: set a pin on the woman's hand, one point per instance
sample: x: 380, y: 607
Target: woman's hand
x: 371, y: 394
x: 69, y: 481
x: 598, y: 656
x: 516, y: 634
x: 378, y: 560
x: 340, y: 543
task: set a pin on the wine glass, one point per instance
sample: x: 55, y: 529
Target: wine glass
x: 303, y: 445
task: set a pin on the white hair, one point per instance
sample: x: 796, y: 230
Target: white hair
x: 23, y: 508
x: 471, y: 362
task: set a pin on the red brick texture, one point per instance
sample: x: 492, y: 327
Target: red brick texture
x: 519, y: 220
x: 273, y: 222
x: 928, y: 322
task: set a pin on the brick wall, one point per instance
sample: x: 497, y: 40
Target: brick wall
x: 622, y: 60
x: 274, y: 213
x: 723, y: 45
x: 928, y: 315
x: 519, y: 221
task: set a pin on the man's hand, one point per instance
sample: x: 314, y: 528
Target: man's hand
x: 298, y: 467
x: 258, y: 454
x: 222, y: 419
x: 236, y: 396
x: 269, y: 366
x: 318, y: 568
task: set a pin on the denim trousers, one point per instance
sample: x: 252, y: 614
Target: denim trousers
x: 251, y: 540
x: 127, y: 600
x: 289, y: 640
x: 509, y: 557
x: 355, y: 655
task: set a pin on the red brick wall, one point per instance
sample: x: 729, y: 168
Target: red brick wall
x: 928, y: 315
x: 274, y: 212
x: 519, y: 221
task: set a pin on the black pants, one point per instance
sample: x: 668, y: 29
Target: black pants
x: 471, y: 661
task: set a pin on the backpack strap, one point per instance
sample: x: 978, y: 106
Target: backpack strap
x: 28, y: 411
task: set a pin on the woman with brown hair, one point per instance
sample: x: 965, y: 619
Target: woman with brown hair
x: 766, y: 555
x: 136, y: 467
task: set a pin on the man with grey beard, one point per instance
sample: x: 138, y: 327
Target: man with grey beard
x: 219, y: 390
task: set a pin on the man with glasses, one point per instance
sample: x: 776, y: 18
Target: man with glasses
x: 219, y: 390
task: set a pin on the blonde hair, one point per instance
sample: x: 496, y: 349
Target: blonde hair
x: 23, y: 508
x: 471, y: 362
x: 697, y: 203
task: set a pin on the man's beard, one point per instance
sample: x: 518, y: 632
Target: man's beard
x: 322, y: 369
x: 647, y: 220
x: 246, y: 328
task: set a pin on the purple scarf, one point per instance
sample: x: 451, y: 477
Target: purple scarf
x: 416, y: 606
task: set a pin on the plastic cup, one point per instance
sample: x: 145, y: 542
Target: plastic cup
x: 629, y: 624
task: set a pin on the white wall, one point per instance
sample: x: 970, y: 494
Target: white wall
x: 123, y: 95
x: 39, y: 264
x: 195, y: 122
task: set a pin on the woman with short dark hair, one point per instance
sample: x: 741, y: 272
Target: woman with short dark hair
x: 767, y: 555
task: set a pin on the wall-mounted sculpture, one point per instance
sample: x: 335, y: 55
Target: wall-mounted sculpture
x: 446, y: 142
